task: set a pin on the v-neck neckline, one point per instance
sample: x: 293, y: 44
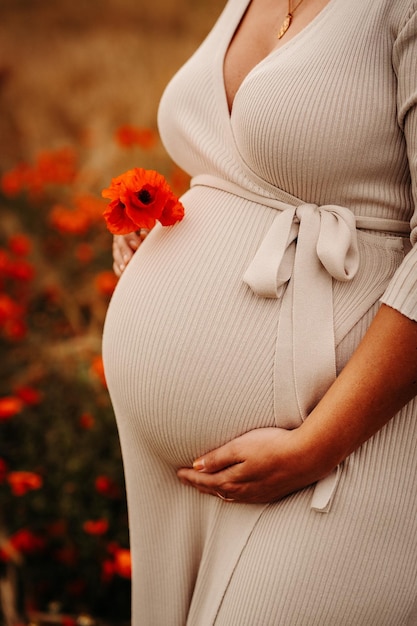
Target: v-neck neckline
x: 274, y: 52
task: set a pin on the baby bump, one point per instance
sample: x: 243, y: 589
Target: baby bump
x: 188, y: 348
x: 191, y: 353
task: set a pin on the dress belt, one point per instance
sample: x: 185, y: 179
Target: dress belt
x: 311, y: 245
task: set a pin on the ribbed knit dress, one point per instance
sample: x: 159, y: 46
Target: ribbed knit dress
x: 297, y: 225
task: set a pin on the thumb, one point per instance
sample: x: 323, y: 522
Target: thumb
x: 218, y: 459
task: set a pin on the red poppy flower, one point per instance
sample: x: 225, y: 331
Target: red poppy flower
x: 105, y: 282
x: 9, y: 309
x: 57, y: 166
x: 123, y: 563
x: 106, y: 486
x: 28, y: 395
x: 26, y: 542
x: 138, y: 199
x: 13, y: 182
x: 86, y: 421
x: 97, y: 368
x: 173, y: 212
x: 22, y: 482
x: 20, y: 244
x: 3, y: 470
x: 107, y: 570
x: 96, y: 527
x: 69, y: 221
x: 20, y: 269
x: 129, y: 136
x: 10, y: 406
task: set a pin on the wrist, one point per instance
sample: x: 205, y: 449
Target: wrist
x: 319, y: 451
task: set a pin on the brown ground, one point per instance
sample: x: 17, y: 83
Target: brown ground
x: 71, y: 67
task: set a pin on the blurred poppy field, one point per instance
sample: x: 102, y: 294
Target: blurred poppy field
x: 69, y: 122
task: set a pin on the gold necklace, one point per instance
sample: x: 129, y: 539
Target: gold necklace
x: 288, y: 19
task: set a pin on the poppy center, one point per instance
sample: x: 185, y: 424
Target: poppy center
x: 145, y: 196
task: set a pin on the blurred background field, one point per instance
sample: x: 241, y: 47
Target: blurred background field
x: 80, y: 82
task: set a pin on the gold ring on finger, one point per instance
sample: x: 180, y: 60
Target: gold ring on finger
x: 224, y: 497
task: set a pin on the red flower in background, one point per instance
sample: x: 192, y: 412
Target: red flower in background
x: 20, y: 244
x: 97, y: 369
x: 9, y: 309
x: 106, y: 282
x: 57, y: 167
x: 128, y: 136
x: 96, y: 527
x: 20, y: 269
x: 14, y: 181
x: 138, y: 198
x: 84, y: 211
x: 107, y: 570
x: 106, y: 487
x: 120, y: 562
x: 26, y: 541
x: 86, y: 421
x: 22, y: 482
x: 28, y: 395
x: 69, y: 221
x: 123, y: 563
x: 3, y: 470
x: 4, y: 262
x: 22, y: 542
x: 15, y: 329
x: 10, y: 406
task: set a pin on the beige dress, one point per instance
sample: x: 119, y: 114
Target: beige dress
x: 239, y: 317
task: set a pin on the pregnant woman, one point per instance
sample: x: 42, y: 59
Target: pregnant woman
x: 261, y: 354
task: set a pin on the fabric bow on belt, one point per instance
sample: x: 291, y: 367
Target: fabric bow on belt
x: 310, y: 245
x: 305, y: 248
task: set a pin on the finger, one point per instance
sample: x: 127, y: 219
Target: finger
x: 123, y: 247
x: 117, y: 269
x: 224, y: 482
x: 219, y: 459
x: 143, y: 233
x: 123, y: 250
x: 133, y: 240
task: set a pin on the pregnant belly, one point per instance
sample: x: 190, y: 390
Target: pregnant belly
x: 188, y: 348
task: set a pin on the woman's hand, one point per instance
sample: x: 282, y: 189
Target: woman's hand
x: 124, y: 247
x: 260, y: 466
x: 269, y: 463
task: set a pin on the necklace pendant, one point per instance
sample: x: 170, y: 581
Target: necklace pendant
x: 284, y: 26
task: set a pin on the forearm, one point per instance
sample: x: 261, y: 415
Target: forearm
x: 266, y: 464
x: 379, y: 379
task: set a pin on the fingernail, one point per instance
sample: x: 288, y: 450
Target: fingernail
x: 199, y: 465
x: 133, y: 244
x: 122, y: 267
x: 125, y: 258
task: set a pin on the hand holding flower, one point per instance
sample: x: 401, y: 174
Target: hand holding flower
x: 138, y: 198
x: 124, y: 247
